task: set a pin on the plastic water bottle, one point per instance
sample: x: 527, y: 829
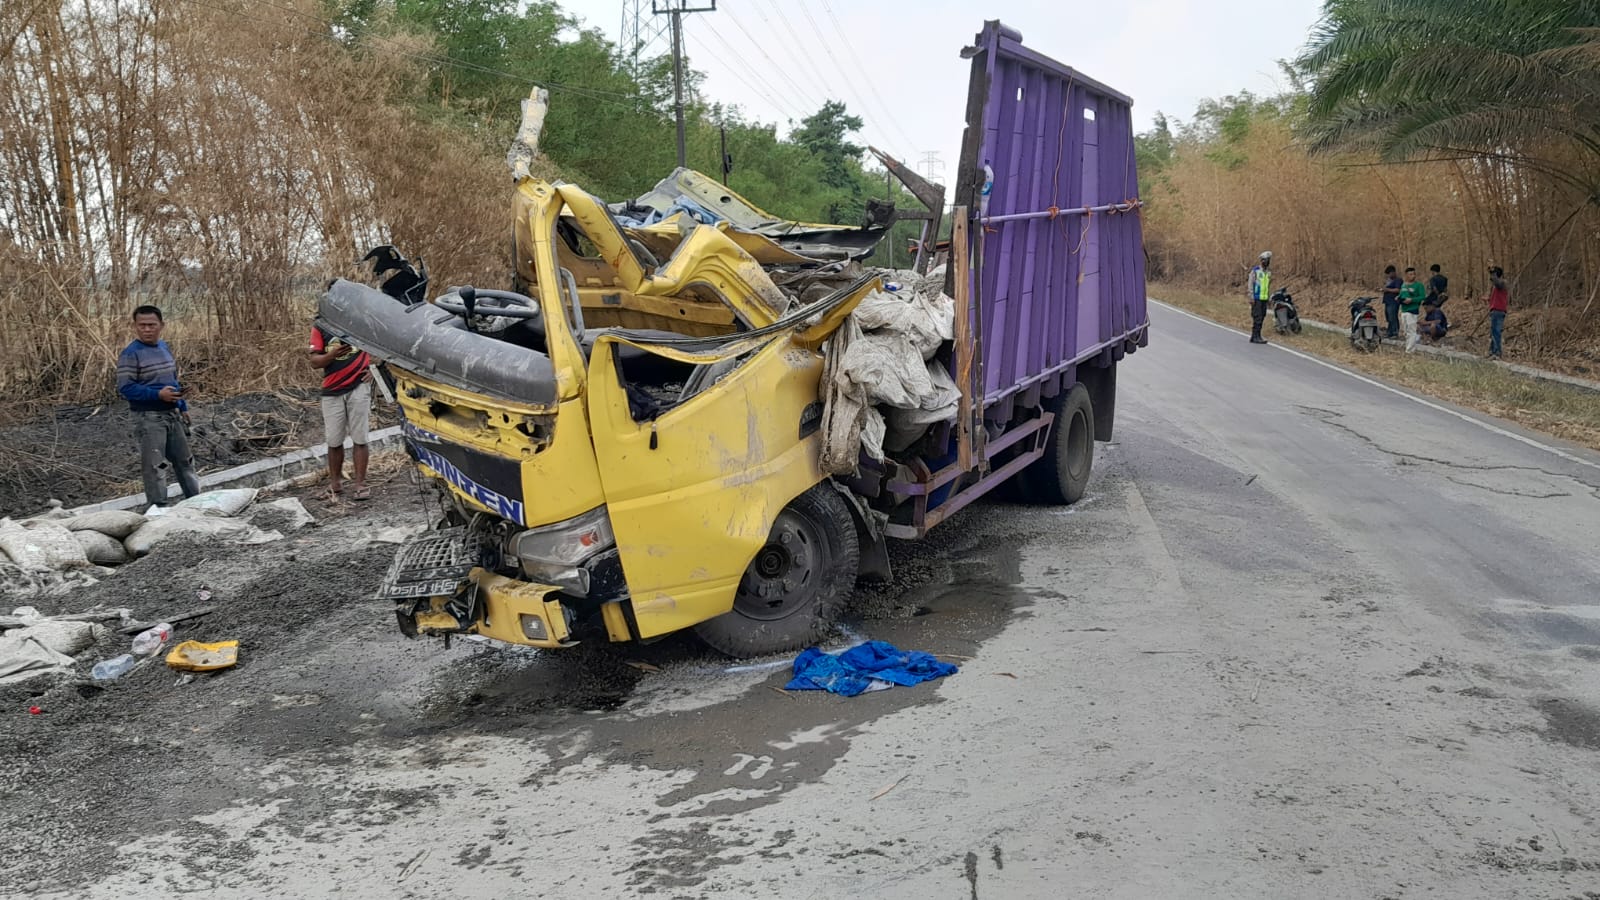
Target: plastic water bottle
x: 150, y: 641
x: 986, y: 190
x: 112, y: 669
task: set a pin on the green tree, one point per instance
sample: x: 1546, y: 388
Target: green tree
x: 824, y: 133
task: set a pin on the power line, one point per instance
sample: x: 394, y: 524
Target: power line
x: 801, y: 94
x: 795, y: 42
x: 755, y: 76
x: 816, y: 70
x: 757, y: 87
x: 866, y: 76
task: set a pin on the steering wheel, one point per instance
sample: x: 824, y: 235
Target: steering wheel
x: 467, y: 301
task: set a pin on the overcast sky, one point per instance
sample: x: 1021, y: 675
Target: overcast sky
x: 897, y: 64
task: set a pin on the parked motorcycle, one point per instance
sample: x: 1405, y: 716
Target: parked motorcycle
x: 1284, y: 312
x: 1365, y: 334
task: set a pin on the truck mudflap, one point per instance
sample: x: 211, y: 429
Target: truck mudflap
x: 439, y: 589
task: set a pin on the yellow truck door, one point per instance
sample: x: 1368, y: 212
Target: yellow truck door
x: 694, y: 493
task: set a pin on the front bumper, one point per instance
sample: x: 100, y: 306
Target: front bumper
x: 494, y: 606
x: 440, y: 587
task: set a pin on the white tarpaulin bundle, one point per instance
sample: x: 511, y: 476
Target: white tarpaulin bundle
x: 881, y: 386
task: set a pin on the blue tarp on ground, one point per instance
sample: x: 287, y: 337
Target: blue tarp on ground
x: 874, y: 665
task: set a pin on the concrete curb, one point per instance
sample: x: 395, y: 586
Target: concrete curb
x: 273, y: 472
x: 1446, y: 352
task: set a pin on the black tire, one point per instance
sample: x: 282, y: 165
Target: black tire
x: 798, y: 582
x: 1062, y: 474
x: 1294, y: 326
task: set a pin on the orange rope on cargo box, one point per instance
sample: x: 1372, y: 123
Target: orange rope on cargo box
x: 1088, y: 219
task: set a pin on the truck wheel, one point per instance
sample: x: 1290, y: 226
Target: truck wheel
x: 1062, y: 473
x: 797, y: 583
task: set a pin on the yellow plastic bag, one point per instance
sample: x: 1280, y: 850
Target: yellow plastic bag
x: 193, y: 656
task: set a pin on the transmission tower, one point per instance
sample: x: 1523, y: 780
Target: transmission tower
x: 643, y: 34
x: 931, y: 164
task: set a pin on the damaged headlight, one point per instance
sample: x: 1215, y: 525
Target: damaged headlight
x: 555, y: 554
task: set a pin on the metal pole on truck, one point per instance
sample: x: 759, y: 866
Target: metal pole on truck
x: 676, y: 9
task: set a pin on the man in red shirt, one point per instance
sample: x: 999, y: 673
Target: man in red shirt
x: 346, y: 408
x: 1498, y: 302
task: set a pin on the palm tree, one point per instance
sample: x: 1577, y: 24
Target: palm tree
x: 1514, y: 80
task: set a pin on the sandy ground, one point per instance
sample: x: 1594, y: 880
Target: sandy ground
x: 1307, y: 636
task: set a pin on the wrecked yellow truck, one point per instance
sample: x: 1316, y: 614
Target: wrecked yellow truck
x: 690, y: 414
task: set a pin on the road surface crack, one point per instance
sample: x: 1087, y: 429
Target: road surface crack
x: 1333, y: 418
x: 1494, y: 490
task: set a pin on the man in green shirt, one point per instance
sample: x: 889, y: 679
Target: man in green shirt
x: 1411, y: 294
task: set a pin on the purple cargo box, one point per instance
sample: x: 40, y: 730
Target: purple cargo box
x: 1053, y: 290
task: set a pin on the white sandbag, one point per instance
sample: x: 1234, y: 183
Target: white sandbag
x: 44, y: 648
x: 70, y: 638
x: 101, y: 549
x: 226, y: 502
x: 116, y: 523
x: 186, y: 523
x: 39, y: 544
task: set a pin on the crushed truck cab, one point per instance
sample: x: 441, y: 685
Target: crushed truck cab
x: 617, y: 445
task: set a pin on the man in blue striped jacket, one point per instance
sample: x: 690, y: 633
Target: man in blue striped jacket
x: 147, y: 377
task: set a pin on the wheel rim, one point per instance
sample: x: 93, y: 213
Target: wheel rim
x: 1078, y: 443
x: 787, y: 570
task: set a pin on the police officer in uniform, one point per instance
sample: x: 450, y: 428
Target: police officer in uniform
x: 1260, y: 290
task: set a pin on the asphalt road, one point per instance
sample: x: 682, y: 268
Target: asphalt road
x: 1308, y: 635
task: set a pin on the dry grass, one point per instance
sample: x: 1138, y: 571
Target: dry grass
x: 1334, y: 223
x: 1556, y: 409
x: 224, y: 175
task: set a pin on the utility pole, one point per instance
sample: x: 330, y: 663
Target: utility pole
x: 676, y: 9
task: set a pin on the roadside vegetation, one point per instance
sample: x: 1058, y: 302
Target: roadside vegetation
x: 1410, y: 132
x: 223, y: 160
x: 1561, y: 410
